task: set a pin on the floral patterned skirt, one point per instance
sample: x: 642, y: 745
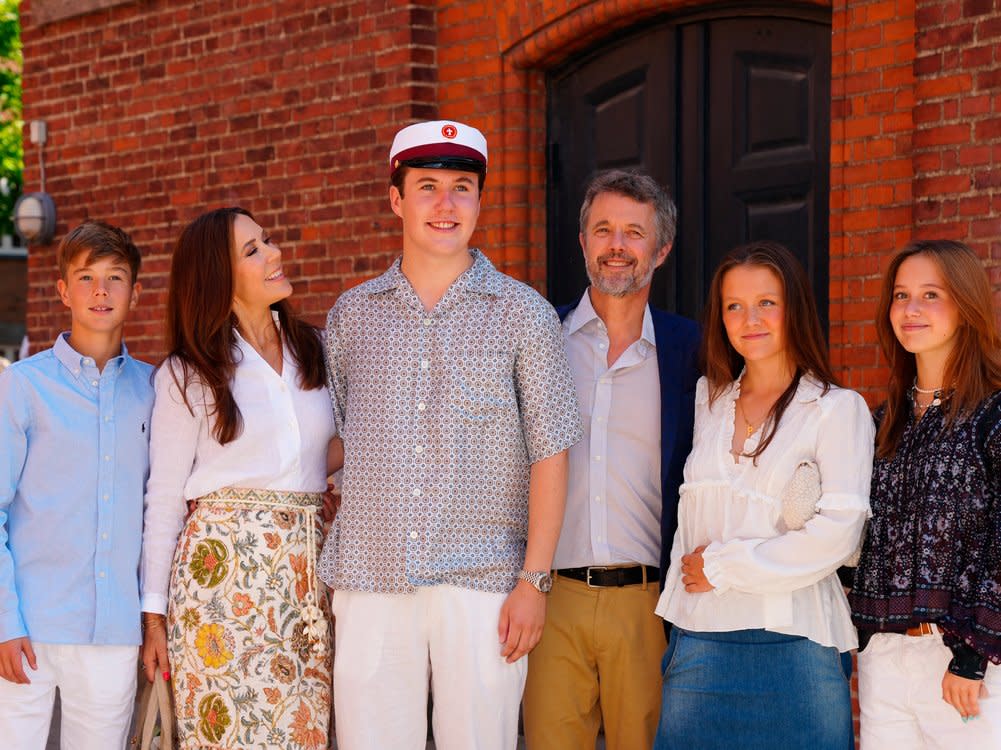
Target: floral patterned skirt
x: 249, y: 670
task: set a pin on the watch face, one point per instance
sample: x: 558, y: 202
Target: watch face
x: 545, y: 583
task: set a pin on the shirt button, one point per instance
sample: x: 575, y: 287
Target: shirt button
x: 93, y: 382
x: 413, y: 534
x: 603, y: 346
x: 601, y: 419
x: 107, y: 419
x: 104, y: 535
x: 421, y: 406
x: 418, y: 449
x: 101, y: 574
x: 427, y: 321
x: 107, y: 458
x: 425, y: 364
x: 106, y: 497
x: 599, y: 538
x: 417, y: 491
x: 597, y: 498
x: 597, y: 458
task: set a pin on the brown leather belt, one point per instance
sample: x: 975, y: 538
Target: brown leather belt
x: 602, y: 576
x: 923, y: 628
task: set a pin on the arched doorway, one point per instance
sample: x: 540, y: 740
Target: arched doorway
x: 732, y: 112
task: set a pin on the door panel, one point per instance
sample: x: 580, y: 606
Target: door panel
x: 769, y: 85
x: 732, y: 114
x: 614, y: 110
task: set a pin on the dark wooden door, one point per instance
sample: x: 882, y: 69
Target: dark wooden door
x: 731, y: 113
x: 614, y: 110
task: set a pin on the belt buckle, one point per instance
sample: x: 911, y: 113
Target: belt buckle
x: 589, y: 569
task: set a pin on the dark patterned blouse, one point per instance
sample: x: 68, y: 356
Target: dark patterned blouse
x: 932, y: 552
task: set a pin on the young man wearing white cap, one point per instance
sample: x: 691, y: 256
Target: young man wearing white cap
x: 455, y: 402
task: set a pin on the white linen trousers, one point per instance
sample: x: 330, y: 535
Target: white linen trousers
x: 388, y: 648
x: 97, y: 693
x: 900, y: 694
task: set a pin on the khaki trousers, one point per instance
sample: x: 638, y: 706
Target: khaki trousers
x: 598, y: 660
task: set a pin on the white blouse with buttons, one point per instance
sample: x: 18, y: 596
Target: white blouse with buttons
x: 282, y: 446
x: 766, y: 576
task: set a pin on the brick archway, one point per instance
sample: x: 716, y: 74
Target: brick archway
x: 492, y: 70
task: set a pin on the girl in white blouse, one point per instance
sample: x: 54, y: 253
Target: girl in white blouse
x: 761, y: 623
x: 243, y: 429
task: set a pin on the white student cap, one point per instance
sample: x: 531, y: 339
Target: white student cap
x: 439, y: 144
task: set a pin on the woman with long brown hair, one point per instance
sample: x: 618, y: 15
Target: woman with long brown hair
x: 241, y: 427
x: 927, y: 591
x: 774, y: 500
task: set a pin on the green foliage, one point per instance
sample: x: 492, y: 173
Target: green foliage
x: 11, y: 124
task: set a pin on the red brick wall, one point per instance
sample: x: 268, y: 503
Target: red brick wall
x: 158, y: 110
x: 872, y: 172
x: 957, y: 125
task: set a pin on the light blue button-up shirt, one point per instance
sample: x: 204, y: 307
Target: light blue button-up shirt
x: 75, y: 459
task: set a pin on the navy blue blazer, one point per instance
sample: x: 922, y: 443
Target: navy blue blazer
x: 677, y: 342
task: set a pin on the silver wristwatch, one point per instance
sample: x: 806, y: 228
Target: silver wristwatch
x: 538, y: 578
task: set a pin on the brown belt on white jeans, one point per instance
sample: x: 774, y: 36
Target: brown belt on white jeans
x: 923, y: 628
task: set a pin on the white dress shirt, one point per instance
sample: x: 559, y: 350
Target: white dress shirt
x: 282, y: 446
x: 614, y: 491
x: 765, y: 575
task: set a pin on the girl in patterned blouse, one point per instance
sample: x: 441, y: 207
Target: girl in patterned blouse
x: 927, y: 593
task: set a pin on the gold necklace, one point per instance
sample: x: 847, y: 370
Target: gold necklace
x: 750, y: 428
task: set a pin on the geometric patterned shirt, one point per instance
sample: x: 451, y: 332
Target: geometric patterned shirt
x: 442, y: 414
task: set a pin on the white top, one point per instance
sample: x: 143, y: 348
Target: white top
x: 613, y: 495
x: 283, y: 446
x: 765, y: 575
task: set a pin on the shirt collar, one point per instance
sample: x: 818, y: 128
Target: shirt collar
x: 584, y: 313
x: 480, y: 277
x: 73, y: 361
x: 809, y: 388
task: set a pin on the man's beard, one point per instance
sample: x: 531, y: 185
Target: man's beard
x: 619, y: 283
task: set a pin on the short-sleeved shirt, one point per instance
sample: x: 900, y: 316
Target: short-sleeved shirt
x: 442, y: 414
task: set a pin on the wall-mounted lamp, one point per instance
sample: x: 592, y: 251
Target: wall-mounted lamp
x: 35, y: 213
x: 35, y: 218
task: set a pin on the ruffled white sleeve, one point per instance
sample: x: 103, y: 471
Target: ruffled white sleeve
x: 174, y: 432
x: 796, y: 559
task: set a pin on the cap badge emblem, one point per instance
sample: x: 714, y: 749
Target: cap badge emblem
x: 449, y: 131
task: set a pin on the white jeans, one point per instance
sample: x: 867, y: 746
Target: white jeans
x: 900, y: 694
x: 389, y: 645
x: 97, y: 691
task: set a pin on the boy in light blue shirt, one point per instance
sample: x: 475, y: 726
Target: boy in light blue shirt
x: 74, y: 426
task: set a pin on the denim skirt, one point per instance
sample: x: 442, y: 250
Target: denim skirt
x: 754, y: 689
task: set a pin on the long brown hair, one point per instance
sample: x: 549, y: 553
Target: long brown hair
x: 201, y: 334
x: 804, y: 338
x: 973, y: 368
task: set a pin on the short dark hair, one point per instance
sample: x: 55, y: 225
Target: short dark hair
x: 396, y: 180
x: 99, y: 240
x: 641, y: 188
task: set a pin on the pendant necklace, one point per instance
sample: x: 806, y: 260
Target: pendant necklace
x: 750, y: 428
x: 936, y: 395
